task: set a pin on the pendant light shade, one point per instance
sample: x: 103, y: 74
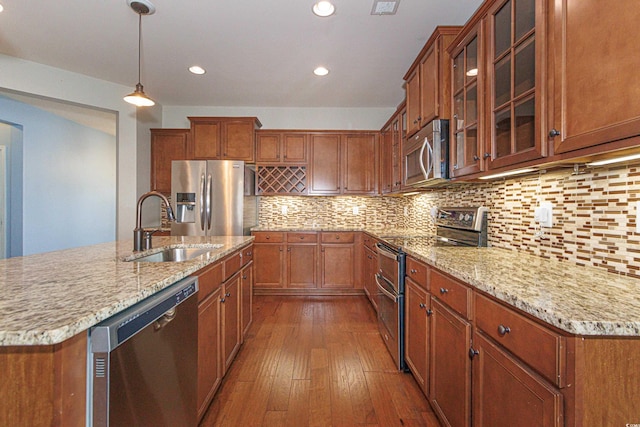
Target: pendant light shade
x: 138, y: 97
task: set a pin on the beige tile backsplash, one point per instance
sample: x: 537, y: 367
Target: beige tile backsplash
x: 594, y: 214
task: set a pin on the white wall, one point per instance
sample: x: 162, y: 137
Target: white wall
x: 287, y: 118
x: 45, y: 81
x: 69, y: 180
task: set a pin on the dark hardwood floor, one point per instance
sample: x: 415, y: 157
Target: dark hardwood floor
x: 316, y: 361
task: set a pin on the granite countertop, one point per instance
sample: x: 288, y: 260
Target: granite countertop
x: 576, y: 299
x: 50, y: 297
x: 579, y: 300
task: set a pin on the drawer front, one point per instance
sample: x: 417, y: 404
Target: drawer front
x: 268, y: 237
x: 451, y: 292
x: 232, y: 264
x: 328, y: 237
x: 369, y: 242
x: 418, y: 272
x: 539, y: 347
x: 209, y: 279
x: 302, y: 237
x: 247, y: 255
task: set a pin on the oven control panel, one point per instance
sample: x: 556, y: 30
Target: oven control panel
x: 463, y: 218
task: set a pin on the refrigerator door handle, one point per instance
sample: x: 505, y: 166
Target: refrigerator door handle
x: 202, y: 205
x: 209, y: 196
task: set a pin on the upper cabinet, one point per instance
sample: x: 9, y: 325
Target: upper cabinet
x: 428, y: 81
x: 285, y: 147
x: 466, y: 146
x: 223, y: 138
x: 595, y: 66
x: 516, y: 81
x: 166, y: 145
x: 343, y: 163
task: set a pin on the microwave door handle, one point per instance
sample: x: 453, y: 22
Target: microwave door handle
x: 209, y: 190
x: 202, y: 202
x: 431, y: 160
x: 383, y: 290
x: 424, y: 171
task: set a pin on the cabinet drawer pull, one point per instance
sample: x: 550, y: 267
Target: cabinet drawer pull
x: 473, y: 353
x: 503, y: 330
x: 443, y: 291
x: 222, y: 300
x: 553, y: 133
x: 422, y: 305
x: 228, y: 294
x: 413, y: 271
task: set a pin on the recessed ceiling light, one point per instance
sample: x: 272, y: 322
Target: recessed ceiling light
x: 195, y: 69
x: 1, y: 8
x: 324, y: 8
x: 381, y: 7
x: 321, y: 71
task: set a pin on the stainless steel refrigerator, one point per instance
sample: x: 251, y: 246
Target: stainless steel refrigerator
x: 213, y: 198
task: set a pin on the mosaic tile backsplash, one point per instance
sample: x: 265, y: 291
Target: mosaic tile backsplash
x: 594, y: 217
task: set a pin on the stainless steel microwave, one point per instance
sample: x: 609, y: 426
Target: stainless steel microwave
x: 426, y: 155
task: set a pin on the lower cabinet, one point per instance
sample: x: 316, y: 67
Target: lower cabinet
x: 301, y: 260
x: 225, y: 302
x: 450, y: 373
x: 230, y: 315
x: 506, y: 393
x: 418, y: 313
x: 337, y: 260
x: 369, y: 269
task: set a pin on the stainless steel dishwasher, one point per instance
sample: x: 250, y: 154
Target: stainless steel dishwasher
x: 143, y: 362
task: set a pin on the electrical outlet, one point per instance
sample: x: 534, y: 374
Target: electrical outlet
x: 284, y: 210
x: 356, y: 210
x: 543, y: 214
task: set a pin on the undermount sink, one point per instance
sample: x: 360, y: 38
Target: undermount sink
x: 175, y: 254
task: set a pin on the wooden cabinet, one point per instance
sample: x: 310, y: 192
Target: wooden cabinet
x: 281, y: 147
x: 246, y: 292
x: 337, y: 260
x: 209, y: 359
x: 166, y: 145
x: 450, y: 370
x: 428, y: 81
x: 506, y: 393
x: 302, y: 260
x: 223, y: 138
x: 268, y: 258
x: 594, y: 70
x: 343, y: 163
x: 516, y: 85
x: 369, y: 269
x: 230, y: 315
x: 467, y: 108
x: 417, y: 323
x: 391, y: 153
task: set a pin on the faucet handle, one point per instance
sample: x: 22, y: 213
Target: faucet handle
x: 146, y: 239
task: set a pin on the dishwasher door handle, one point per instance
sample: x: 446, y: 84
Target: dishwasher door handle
x: 167, y: 317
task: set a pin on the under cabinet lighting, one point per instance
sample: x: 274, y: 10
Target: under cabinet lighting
x: 472, y: 72
x: 614, y: 160
x: 413, y: 193
x: 508, y: 173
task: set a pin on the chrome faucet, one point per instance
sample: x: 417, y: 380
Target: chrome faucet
x: 139, y: 234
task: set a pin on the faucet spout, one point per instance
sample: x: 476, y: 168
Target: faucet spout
x: 139, y: 231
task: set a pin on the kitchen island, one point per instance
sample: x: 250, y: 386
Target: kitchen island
x: 49, y: 302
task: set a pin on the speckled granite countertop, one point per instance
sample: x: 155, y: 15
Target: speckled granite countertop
x: 48, y: 298
x: 579, y: 300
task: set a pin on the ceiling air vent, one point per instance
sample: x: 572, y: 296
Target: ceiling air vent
x: 384, y: 7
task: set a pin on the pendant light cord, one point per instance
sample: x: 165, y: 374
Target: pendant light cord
x: 139, y: 44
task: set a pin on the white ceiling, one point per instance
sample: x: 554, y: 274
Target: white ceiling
x: 257, y: 53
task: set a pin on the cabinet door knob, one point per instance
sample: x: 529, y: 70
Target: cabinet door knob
x: 476, y: 158
x: 503, y: 330
x: 553, y: 133
x: 473, y: 353
x: 222, y: 300
x: 228, y: 294
x: 429, y: 312
x: 443, y: 291
x: 487, y: 155
x: 422, y: 305
x: 288, y: 249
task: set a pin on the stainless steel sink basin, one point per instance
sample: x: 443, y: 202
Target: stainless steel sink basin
x: 176, y: 254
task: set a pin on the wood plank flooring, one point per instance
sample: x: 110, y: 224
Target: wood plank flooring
x: 316, y: 361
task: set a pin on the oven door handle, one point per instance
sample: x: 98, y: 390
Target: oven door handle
x: 382, y: 289
x: 386, y: 252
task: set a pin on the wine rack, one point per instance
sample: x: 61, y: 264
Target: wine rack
x: 282, y: 180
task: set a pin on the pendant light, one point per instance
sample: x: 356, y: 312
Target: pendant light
x: 138, y: 97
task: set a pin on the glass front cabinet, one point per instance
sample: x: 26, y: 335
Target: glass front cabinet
x: 466, y: 146
x: 515, y: 82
